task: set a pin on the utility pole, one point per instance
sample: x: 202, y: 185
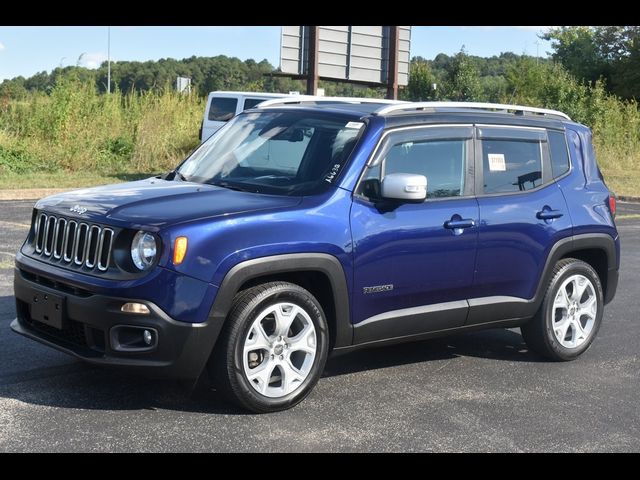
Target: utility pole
x: 109, y: 59
x: 537, y: 42
x: 394, y: 47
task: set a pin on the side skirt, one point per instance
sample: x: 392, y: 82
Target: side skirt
x: 514, y: 322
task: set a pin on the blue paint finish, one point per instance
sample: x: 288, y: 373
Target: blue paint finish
x: 513, y: 243
x: 410, y: 248
x: 181, y: 297
x: 154, y: 203
x: 584, y: 189
x: 318, y: 224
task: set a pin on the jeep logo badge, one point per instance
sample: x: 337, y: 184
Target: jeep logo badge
x: 78, y: 209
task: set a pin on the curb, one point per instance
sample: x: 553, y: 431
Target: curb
x: 624, y: 198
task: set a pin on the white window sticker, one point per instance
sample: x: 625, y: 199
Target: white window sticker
x: 497, y: 163
x: 354, y: 125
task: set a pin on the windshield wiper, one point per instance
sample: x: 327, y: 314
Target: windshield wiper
x: 231, y: 186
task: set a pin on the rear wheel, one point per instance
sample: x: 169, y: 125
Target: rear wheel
x: 273, y: 348
x: 570, y: 314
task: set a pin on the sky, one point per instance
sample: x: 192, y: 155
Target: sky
x: 28, y: 50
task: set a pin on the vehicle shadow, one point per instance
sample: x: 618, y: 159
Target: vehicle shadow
x: 495, y: 344
x: 77, y: 385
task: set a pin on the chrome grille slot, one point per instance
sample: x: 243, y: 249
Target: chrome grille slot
x: 104, y: 249
x: 49, y: 232
x: 41, y: 223
x: 92, y: 246
x: 58, y: 238
x: 80, y: 250
x: 67, y: 242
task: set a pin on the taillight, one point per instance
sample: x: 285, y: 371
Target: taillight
x: 612, y: 205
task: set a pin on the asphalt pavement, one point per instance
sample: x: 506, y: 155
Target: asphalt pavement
x: 472, y: 392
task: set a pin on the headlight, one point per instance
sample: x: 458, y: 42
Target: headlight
x: 143, y: 250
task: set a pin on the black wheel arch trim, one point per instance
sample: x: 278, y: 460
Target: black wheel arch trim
x: 574, y: 243
x: 289, y: 263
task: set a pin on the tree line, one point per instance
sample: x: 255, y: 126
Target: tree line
x: 609, y: 55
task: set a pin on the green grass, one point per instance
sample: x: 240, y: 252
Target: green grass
x: 623, y: 183
x: 76, y: 131
x: 75, y: 137
x: 13, y: 181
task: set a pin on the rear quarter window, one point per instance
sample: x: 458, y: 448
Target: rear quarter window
x: 559, y: 153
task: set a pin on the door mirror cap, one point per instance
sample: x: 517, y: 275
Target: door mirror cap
x: 406, y: 187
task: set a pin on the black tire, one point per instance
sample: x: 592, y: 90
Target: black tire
x: 226, y: 363
x: 538, y: 332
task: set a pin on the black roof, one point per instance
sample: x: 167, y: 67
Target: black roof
x: 425, y: 117
x: 471, y: 116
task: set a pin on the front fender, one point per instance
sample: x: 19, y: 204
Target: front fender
x: 295, y: 262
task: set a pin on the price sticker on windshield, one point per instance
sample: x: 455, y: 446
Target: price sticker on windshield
x: 355, y: 125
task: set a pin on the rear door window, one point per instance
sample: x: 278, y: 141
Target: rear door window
x: 512, y: 159
x: 222, y: 109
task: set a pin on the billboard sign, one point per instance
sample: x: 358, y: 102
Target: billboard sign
x: 351, y: 53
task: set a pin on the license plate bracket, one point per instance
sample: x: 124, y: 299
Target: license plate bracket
x: 48, y: 308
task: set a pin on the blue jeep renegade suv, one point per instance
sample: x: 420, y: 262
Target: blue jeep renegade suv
x: 307, y: 227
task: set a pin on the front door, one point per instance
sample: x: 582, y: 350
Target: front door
x: 414, y: 262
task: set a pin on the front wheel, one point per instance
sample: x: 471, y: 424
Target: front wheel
x: 571, y: 312
x: 273, y: 348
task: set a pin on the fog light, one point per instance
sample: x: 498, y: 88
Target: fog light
x: 132, y: 307
x: 133, y: 338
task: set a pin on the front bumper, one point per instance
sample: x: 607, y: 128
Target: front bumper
x: 181, y: 351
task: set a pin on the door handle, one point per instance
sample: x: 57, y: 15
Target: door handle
x: 462, y: 223
x: 548, y: 214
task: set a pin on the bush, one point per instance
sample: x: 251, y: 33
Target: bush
x: 76, y: 129
x: 615, y: 123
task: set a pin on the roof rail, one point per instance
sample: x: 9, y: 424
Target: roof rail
x: 483, y: 106
x: 296, y: 99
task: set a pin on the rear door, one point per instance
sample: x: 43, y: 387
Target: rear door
x: 522, y: 214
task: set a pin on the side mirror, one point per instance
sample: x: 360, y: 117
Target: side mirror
x: 406, y: 187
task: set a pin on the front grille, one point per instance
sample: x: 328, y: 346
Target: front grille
x: 74, y: 243
x: 73, y: 332
x: 56, y: 285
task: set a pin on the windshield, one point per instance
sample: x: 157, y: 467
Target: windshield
x: 284, y: 153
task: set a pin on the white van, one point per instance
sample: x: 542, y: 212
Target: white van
x: 223, y: 106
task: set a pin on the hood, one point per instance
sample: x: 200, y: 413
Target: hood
x: 155, y: 202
